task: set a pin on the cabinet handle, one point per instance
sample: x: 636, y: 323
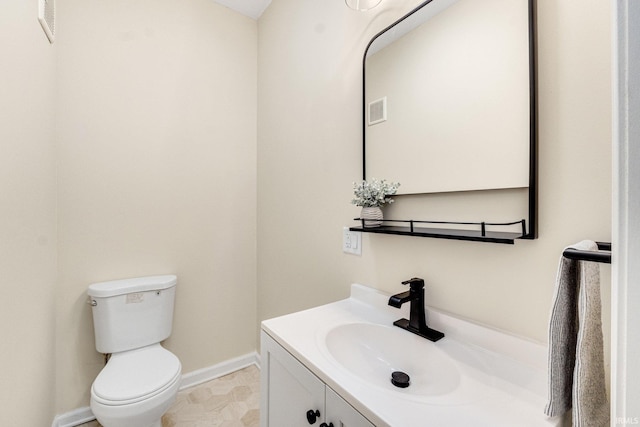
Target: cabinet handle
x: 312, y: 416
x: 325, y: 425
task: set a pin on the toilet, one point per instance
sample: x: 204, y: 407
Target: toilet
x: 141, y: 379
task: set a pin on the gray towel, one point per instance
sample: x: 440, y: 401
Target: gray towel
x: 576, y: 360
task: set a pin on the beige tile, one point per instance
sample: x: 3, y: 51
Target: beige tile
x: 251, y: 418
x: 234, y: 411
x: 241, y: 393
x: 199, y: 395
x: 217, y: 402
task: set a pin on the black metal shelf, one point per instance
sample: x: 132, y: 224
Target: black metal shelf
x: 481, y: 235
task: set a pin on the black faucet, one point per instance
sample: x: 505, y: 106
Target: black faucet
x: 416, y: 323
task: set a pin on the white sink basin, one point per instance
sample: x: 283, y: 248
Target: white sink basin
x: 440, y: 373
x: 474, y: 376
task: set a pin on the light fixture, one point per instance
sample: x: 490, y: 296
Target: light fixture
x: 362, y: 5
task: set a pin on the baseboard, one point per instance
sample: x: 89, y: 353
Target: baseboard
x: 84, y: 415
x: 221, y: 369
x: 74, y: 418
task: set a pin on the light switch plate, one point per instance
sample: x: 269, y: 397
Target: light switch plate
x: 351, y: 241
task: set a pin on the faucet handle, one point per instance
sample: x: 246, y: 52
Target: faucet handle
x: 416, y: 283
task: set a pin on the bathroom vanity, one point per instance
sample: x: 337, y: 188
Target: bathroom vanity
x: 295, y: 394
x: 332, y: 365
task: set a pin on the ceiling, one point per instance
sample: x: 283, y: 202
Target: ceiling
x: 251, y: 8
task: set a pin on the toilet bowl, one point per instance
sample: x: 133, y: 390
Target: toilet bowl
x: 136, y: 387
x: 141, y: 379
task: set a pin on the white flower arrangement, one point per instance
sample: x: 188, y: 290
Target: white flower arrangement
x: 373, y: 193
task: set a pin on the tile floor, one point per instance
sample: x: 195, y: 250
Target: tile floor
x: 229, y: 401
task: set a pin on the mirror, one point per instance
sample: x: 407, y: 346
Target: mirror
x: 449, y: 99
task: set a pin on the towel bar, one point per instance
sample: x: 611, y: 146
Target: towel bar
x: 603, y: 254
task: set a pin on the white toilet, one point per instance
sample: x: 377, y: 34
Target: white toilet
x: 141, y: 380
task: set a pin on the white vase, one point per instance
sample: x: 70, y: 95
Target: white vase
x: 372, y: 216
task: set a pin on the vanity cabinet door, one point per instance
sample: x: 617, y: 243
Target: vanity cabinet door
x: 341, y: 414
x: 289, y: 390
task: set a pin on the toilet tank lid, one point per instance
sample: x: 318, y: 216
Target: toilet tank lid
x: 128, y: 286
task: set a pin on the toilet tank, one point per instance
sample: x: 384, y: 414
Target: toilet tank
x: 132, y: 313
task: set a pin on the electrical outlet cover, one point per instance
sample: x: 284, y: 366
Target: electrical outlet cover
x: 351, y: 241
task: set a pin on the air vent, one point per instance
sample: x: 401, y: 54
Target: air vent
x: 378, y: 111
x: 47, y: 16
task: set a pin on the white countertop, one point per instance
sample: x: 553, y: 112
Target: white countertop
x: 509, y: 391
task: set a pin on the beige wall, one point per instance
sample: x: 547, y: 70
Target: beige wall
x: 27, y: 217
x: 309, y: 152
x: 157, y: 169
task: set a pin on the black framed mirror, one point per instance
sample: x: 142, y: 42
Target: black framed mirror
x: 449, y: 104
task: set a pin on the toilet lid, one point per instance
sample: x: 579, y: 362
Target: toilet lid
x: 135, y: 375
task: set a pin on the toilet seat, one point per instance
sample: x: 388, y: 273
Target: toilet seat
x: 136, y: 375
